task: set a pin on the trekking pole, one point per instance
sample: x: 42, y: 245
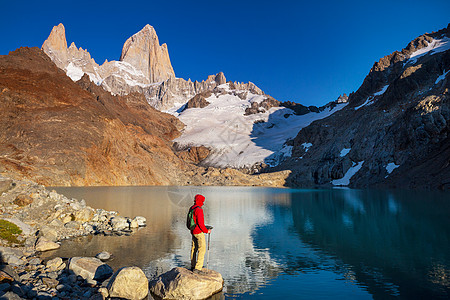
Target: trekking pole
x: 209, y: 239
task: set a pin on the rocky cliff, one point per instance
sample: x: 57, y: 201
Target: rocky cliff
x: 143, y: 52
x: 395, y: 130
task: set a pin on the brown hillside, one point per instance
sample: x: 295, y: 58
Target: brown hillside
x: 58, y: 132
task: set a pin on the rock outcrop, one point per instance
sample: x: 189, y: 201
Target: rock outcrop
x: 198, y: 101
x: 143, y: 52
x: 180, y: 283
x: 395, y: 130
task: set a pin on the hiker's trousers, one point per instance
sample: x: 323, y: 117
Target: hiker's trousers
x: 198, y: 251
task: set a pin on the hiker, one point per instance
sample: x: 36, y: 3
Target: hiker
x: 198, y: 248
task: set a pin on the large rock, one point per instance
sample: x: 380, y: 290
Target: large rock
x: 11, y: 256
x: 49, y: 233
x: 55, y: 264
x: 142, y: 221
x: 119, y: 223
x: 180, y: 283
x: 84, y: 214
x: 44, y: 244
x: 90, y: 268
x: 128, y: 283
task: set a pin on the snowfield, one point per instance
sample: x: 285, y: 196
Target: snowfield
x: 434, y: 47
x: 237, y: 140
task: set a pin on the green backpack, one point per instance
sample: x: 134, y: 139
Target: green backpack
x: 190, y: 222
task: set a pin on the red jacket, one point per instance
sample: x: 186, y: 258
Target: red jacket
x: 198, y: 215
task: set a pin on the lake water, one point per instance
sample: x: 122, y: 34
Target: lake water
x: 284, y: 243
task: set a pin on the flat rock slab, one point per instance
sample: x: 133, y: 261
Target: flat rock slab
x: 90, y: 268
x: 44, y: 244
x: 180, y: 283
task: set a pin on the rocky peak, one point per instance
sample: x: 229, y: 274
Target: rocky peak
x: 56, y: 46
x: 220, y: 78
x: 142, y: 51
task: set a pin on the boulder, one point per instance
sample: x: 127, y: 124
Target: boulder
x: 134, y: 223
x: 104, y: 255
x: 73, y: 225
x: 50, y: 283
x: 5, y: 277
x: 23, y: 200
x: 49, y: 233
x: 180, y: 283
x: 67, y: 218
x: 90, y: 268
x: 11, y: 256
x: 5, y: 185
x: 84, y: 214
x: 55, y: 264
x: 119, y: 223
x: 44, y: 244
x: 141, y: 221
x: 128, y: 283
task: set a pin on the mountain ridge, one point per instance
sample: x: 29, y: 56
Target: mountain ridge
x: 394, y: 131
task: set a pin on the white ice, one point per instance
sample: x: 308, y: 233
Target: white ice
x: 352, y: 171
x: 371, y: 98
x: 306, y: 146
x: 75, y: 73
x: 434, y: 47
x: 391, y: 167
x: 344, y: 152
x: 237, y: 140
x: 441, y: 77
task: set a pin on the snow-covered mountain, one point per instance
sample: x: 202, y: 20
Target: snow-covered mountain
x: 238, y: 136
x: 240, y: 125
x: 394, y: 132
x: 144, y: 67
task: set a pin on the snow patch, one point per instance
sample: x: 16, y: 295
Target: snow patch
x: 434, y: 47
x: 306, y: 146
x: 371, y: 98
x: 383, y: 89
x: 344, y: 152
x: 352, y: 171
x: 75, y: 73
x: 441, y: 77
x: 391, y: 167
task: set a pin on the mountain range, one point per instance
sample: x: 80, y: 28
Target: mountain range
x: 70, y: 121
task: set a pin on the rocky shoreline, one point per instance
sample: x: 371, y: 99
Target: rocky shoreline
x: 44, y: 219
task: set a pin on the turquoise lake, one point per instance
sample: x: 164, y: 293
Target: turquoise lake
x: 273, y: 243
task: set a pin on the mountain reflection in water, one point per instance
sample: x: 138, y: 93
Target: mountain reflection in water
x: 287, y: 243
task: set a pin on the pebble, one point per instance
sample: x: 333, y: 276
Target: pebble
x: 104, y: 255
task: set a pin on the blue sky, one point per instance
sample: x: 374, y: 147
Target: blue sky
x: 303, y: 51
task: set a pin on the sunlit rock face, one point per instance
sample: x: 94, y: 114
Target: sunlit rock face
x: 143, y: 52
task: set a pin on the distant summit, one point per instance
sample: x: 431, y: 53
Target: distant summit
x: 143, y: 61
x: 143, y: 52
x: 144, y: 67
